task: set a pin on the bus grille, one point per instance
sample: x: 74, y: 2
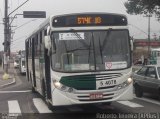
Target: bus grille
x: 88, y: 82
x: 108, y: 76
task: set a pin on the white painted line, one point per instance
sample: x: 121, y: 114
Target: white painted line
x: 41, y: 106
x: 14, y: 107
x: 23, y: 91
x: 75, y: 109
x: 130, y: 104
x: 148, y: 100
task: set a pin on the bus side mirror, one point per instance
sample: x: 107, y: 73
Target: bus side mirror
x: 47, y: 43
x: 131, y: 43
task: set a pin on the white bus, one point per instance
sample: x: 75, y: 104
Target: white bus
x: 22, y: 62
x: 22, y: 66
x: 16, y: 61
x: 81, y: 58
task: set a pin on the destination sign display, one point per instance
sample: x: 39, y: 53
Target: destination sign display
x: 77, y: 20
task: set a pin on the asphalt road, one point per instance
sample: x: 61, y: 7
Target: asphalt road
x: 19, y: 102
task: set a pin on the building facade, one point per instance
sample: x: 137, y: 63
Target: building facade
x: 142, y: 48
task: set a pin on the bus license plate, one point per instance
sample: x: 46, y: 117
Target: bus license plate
x: 96, y: 96
x: 106, y: 83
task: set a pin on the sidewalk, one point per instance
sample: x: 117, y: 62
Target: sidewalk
x: 11, y: 80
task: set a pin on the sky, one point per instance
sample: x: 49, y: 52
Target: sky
x: 22, y: 27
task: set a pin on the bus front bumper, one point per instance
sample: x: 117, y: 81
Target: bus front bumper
x: 60, y: 98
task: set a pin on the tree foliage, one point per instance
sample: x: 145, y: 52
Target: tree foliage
x: 143, y: 7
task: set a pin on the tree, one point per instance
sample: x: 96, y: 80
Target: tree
x: 143, y: 7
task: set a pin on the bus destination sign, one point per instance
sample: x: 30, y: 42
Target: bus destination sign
x: 89, y: 20
x: 78, y: 20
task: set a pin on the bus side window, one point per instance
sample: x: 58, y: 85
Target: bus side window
x: 30, y: 49
x: 40, y: 37
x: 45, y: 32
x: 38, y: 45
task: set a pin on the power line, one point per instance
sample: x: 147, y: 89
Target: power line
x: 14, y: 44
x: 18, y: 38
x: 139, y: 29
x: 18, y: 7
x: 24, y: 24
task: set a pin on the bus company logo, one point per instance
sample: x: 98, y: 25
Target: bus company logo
x: 108, y: 65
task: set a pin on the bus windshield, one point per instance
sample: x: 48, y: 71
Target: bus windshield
x: 77, y: 51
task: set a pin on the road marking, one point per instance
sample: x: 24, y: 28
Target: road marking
x: 130, y: 104
x: 23, y: 91
x: 14, y: 107
x: 148, y: 100
x: 41, y: 106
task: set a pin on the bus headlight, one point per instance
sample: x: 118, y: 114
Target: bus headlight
x: 130, y: 80
x: 57, y: 84
x: 125, y: 84
x: 62, y: 87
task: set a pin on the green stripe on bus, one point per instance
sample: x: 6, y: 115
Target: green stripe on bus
x: 80, y: 82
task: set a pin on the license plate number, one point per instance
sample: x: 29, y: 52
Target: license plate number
x: 96, y: 96
x: 106, y: 83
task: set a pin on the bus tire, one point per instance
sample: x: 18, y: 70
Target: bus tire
x: 43, y: 88
x: 49, y: 105
x: 45, y: 95
x: 33, y: 89
x: 138, y: 91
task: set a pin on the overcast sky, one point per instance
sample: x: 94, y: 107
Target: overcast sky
x: 138, y: 23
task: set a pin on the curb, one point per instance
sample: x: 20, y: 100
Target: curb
x: 7, y: 84
x: 10, y: 83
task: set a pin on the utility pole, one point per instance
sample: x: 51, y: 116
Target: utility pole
x: 6, y: 37
x: 149, y: 32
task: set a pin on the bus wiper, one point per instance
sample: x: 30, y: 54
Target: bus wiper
x: 106, y: 39
x: 100, y: 48
x: 77, y: 49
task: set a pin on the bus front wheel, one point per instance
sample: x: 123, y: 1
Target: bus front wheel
x: 33, y: 89
x: 46, y: 96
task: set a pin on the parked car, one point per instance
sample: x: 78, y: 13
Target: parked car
x: 147, y: 79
